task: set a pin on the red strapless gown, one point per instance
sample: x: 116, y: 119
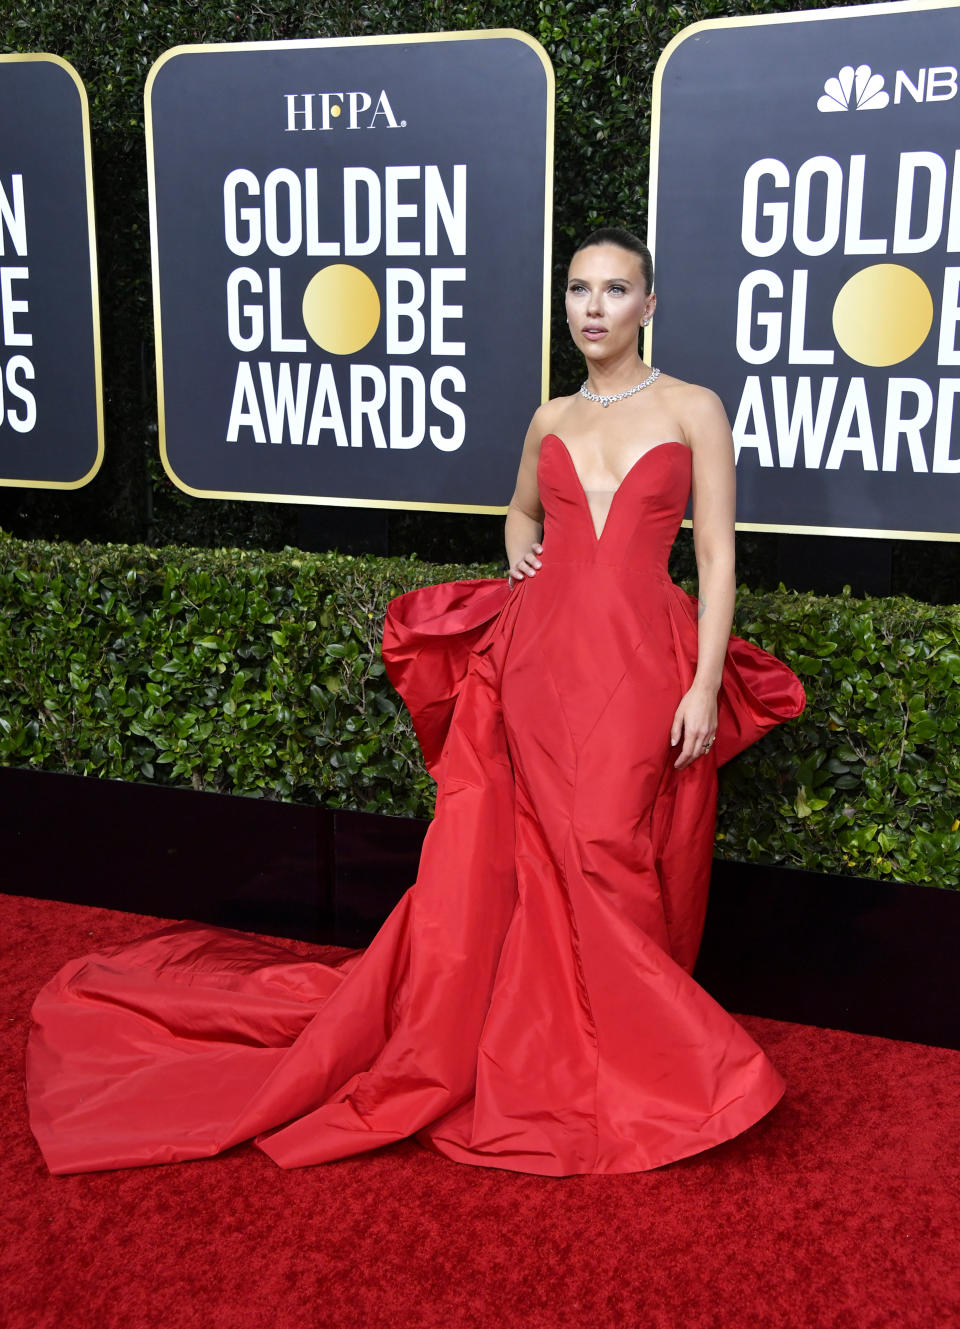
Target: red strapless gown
x: 528, y: 1004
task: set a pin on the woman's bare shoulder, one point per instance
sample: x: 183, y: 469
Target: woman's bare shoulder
x: 546, y: 419
x: 690, y: 394
x: 698, y: 408
x: 552, y: 411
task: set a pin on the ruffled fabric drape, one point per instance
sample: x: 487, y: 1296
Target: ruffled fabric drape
x: 528, y: 1004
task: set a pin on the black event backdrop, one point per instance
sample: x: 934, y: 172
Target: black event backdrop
x: 604, y: 61
x: 50, y: 421
x: 807, y: 215
x: 407, y: 214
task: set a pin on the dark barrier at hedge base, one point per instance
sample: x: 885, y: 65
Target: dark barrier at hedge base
x: 875, y: 957
x: 260, y: 674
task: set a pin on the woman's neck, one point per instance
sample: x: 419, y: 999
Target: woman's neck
x: 609, y: 376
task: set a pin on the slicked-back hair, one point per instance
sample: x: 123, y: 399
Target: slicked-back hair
x: 616, y: 235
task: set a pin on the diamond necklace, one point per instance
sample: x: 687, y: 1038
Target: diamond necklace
x: 617, y: 396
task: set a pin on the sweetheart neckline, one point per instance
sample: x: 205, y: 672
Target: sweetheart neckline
x: 664, y: 443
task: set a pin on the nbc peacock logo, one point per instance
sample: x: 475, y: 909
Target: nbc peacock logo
x: 852, y: 89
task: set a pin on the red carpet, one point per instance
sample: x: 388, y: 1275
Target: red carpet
x: 840, y: 1210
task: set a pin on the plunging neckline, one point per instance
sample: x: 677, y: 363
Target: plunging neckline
x: 598, y: 535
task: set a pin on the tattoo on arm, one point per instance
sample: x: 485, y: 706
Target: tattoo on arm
x: 701, y: 606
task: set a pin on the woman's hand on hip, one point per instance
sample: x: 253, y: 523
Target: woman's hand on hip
x: 527, y: 564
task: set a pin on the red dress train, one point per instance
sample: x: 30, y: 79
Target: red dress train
x: 528, y: 1004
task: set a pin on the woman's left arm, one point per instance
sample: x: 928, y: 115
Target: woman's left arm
x: 714, y: 504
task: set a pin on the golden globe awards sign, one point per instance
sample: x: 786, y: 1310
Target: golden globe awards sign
x: 805, y: 217
x: 351, y: 247
x: 51, y: 414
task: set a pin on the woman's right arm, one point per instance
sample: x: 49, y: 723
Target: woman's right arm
x: 524, y: 524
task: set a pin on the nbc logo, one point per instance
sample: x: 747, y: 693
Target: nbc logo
x: 854, y: 90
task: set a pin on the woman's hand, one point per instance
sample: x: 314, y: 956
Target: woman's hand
x: 695, y: 722
x: 527, y: 564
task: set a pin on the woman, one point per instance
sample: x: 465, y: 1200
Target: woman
x: 528, y: 1004
x: 609, y: 296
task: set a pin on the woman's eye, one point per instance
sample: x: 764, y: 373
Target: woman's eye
x: 618, y: 290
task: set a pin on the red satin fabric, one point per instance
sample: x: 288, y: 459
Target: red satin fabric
x: 528, y: 1004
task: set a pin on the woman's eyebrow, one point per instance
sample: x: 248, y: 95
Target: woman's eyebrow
x: 621, y: 281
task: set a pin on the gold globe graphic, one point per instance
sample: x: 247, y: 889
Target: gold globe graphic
x: 882, y: 314
x: 341, y: 309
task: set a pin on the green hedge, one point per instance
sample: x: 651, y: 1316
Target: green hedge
x: 260, y: 674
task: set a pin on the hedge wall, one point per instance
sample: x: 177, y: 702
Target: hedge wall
x: 260, y: 674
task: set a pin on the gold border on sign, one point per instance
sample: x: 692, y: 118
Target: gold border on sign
x: 307, y: 44
x: 861, y: 532
x: 31, y: 58
x: 807, y: 16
